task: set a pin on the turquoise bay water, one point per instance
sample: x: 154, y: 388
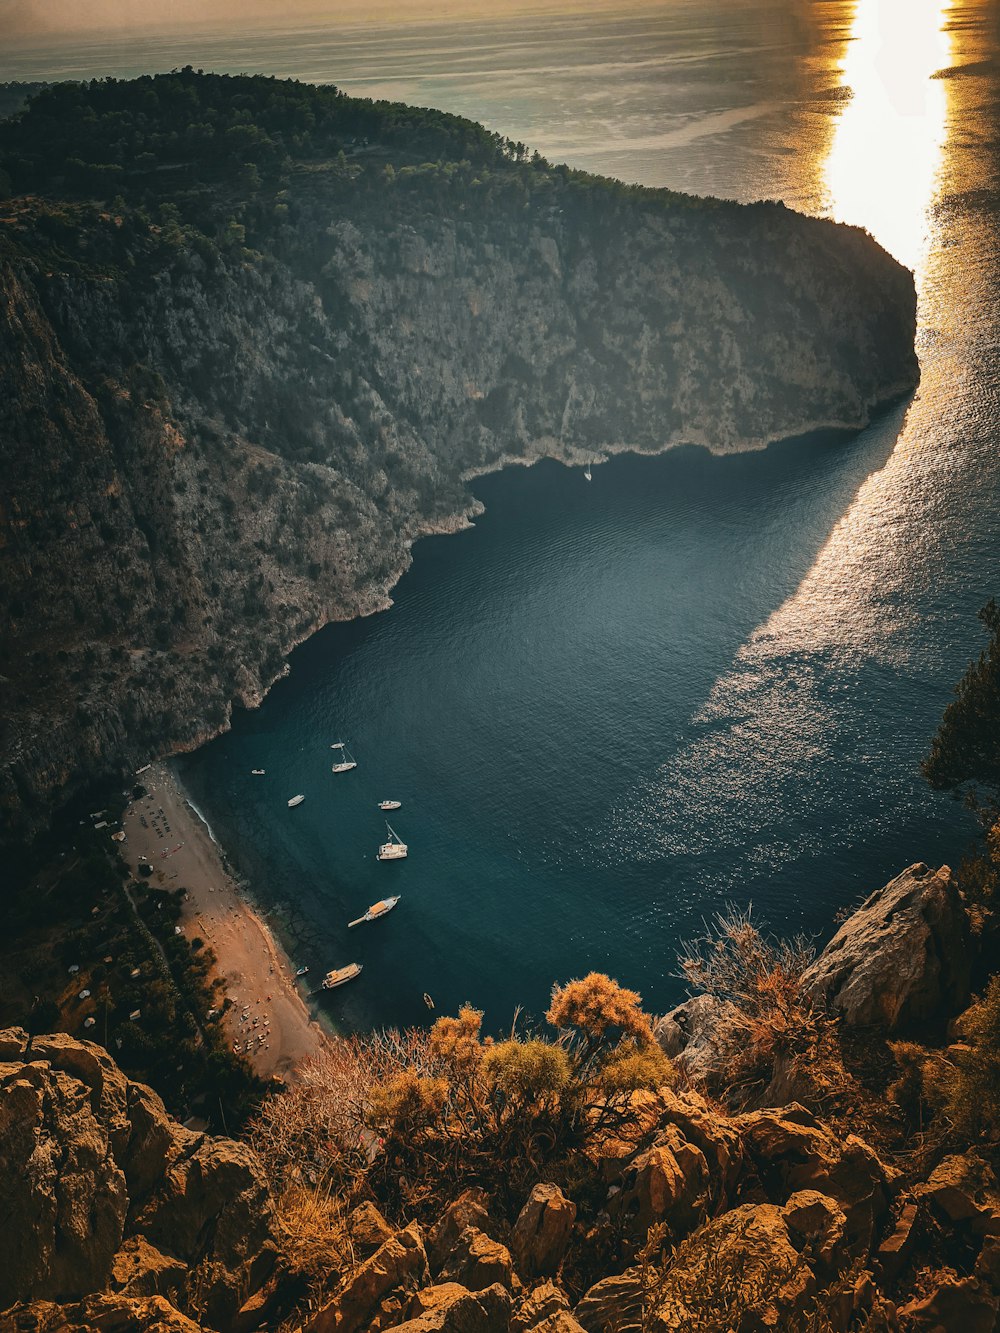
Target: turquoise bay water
x: 611, y: 708
x: 536, y: 699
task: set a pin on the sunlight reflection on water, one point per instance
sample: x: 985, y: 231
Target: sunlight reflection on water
x: 888, y: 140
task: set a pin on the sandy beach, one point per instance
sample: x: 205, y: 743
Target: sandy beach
x: 259, y: 977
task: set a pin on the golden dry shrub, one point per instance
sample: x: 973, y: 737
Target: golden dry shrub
x: 406, y: 1102
x: 310, y: 1228
x: 630, y: 1068
x: 454, y: 1042
x: 595, y: 1005
x: 527, y: 1071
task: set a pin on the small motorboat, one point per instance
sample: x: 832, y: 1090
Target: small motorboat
x: 257, y: 772
x: 428, y: 1001
x: 375, y: 911
x: 296, y: 800
x: 301, y: 971
x: 587, y: 474
x: 390, y: 805
x: 393, y: 849
x: 340, y: 976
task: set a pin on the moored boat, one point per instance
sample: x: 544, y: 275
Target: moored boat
x: 375, y: 911
x: 296, y: 800
x: 390, y: 805
x: 346, y: 761
x: 339, y: 976
x: 393, y: 849
x: 257, y: 772
x: 301, y: 971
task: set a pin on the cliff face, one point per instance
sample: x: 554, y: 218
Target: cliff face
x: 211, y: 449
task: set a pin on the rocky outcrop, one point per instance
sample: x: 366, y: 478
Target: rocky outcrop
x: 401, y: 1261
x: 792, y: 1151
x: 102, y: 1189
x: 478, y: 1262
x: 208, y: 452
x: 452, y: 1309
x: 542, y: 1231
x: 99, y: 1314
x: 901, y: 959
x: 694, y: 1035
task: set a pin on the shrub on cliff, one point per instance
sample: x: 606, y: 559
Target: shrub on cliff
x: 764, y: 1020
x: 415, y: 1116
x: 973, y: 1103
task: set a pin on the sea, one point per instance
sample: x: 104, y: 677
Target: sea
x: 615, y: 708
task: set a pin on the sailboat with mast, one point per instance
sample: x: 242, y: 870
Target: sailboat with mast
x: 393, y: 849
x: 346, y: 761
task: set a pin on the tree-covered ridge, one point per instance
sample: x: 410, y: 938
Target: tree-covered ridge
x: 204, y: 142
x: 218, y: 125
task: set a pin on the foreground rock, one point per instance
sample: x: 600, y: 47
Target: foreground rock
x: 542, y: 1231
x: 902, y: 958
x: 101, y: 1188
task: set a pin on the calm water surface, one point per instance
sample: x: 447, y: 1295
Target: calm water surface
x: 611, y: 708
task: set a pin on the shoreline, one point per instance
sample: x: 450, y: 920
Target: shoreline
x: 166, y: 829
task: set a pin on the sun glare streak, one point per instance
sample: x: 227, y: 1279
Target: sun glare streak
x: 887, y: 143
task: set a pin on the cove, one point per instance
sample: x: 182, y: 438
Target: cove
x: 535, y: 698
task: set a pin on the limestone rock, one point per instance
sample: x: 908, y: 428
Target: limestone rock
x: 957, y: 1304
x: 753, y: 1257
x: 140, y: 1269
x: 542, y: 1231
x: 692, y: 1034
x: 613, y: 1305
x: 542, y: 1301
x: 560, y: 1321
x: 99, y: 1314
x: 100, y: 1186
x: 368, y: 1229
x: 964, y: 1190
x: 462, y: 1311
x: 791, y: 1151
x: 401, y: 1260
x: 903, y: 957
x: 64, y: 1193
x: 429, y: 1298
x: 478, y: 1262
x: 669, y: 1182
x: 894, y: 1252
x: 816, y: 1221
x: 213, y: 1209
x: 468, y: 1210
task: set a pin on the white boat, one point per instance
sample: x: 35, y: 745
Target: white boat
x: 375, y: 911
x: 296, y: 800
x: 301, y: 971
x: 393, y: 849
x: 389, y: 805
x: 257, y: 772
x: 341, y: 975
x: 587, y: 474
x: 347, y: 760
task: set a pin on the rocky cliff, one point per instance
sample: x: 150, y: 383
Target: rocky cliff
x: 231, y: 398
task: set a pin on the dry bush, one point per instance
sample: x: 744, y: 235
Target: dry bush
x: 412, y: 1116
x: 924, y: 1084
x: 310, y: 1228
x: 765, y: 1020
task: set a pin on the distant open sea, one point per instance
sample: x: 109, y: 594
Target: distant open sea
x: 613, y: 707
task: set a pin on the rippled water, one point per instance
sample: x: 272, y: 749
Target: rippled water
x: 611, y: 708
